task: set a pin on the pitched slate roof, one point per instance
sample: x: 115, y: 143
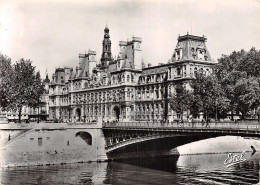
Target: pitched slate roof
x: 189, y: 45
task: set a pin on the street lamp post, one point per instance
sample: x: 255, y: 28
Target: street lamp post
x: 38, y: 110
x: 216, y: 116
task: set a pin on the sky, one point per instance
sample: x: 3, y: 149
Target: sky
x: 53, y: 33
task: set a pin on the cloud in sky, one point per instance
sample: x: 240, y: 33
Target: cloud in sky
x: 53, y: 33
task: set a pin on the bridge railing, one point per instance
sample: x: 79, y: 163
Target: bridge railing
x: 186, y: 125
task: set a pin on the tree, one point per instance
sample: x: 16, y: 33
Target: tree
x: 6, y: 82
x: 180, y: 101
x: 25, y: 87
x: 208, y: 96
x: 238, y: 74
x: 248, y: 94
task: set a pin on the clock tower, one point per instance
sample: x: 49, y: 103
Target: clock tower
x: 106, y: 56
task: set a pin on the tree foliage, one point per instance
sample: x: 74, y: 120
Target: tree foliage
x: 239, y: 76
x: 5, y: 81
x: 180, y: 101
x: 208, y: 96
x: 21, y: 86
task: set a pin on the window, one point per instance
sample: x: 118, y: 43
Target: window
x: 39, y: 141
x: 195, y: 70
x: 128, y: 78
x: 178, y: 54
x: 178, y: 71
x: 201, y: 54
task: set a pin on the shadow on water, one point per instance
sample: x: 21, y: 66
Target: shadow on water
x: 162, y: 163
x: 150, y: 171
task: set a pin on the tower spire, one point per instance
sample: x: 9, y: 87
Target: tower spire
x: 106, y: 51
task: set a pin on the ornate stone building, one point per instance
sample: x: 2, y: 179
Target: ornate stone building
x: 123, y: 88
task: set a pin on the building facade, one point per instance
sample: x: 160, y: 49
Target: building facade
x: 123, y: 88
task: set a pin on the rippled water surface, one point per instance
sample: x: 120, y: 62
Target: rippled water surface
x: 193, y: 169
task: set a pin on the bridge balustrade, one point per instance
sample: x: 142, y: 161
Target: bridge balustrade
x: 186, y: 125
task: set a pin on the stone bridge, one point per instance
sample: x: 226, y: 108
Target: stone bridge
x: 143, y: 139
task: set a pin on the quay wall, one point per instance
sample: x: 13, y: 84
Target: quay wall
x: 46, y: 146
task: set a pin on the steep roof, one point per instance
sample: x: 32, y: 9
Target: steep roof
x: 189, y: 46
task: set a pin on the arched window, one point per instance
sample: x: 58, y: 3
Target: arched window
x: 140, y: 80
x: 148, y: 79
x: 157, y: 78
x: 195, y: 70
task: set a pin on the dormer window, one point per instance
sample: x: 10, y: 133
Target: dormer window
x: 201, y: 54
x: 178, y: 54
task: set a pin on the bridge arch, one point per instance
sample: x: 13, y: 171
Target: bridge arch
x: 141, y: 141
x: 85, y: 136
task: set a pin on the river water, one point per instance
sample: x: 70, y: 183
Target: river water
x: 190, y: 169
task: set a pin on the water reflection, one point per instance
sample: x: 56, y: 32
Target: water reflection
x: 193, y: 169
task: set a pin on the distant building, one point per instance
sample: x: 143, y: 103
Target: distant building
x: 41, y: 112
x: 123, y: 88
